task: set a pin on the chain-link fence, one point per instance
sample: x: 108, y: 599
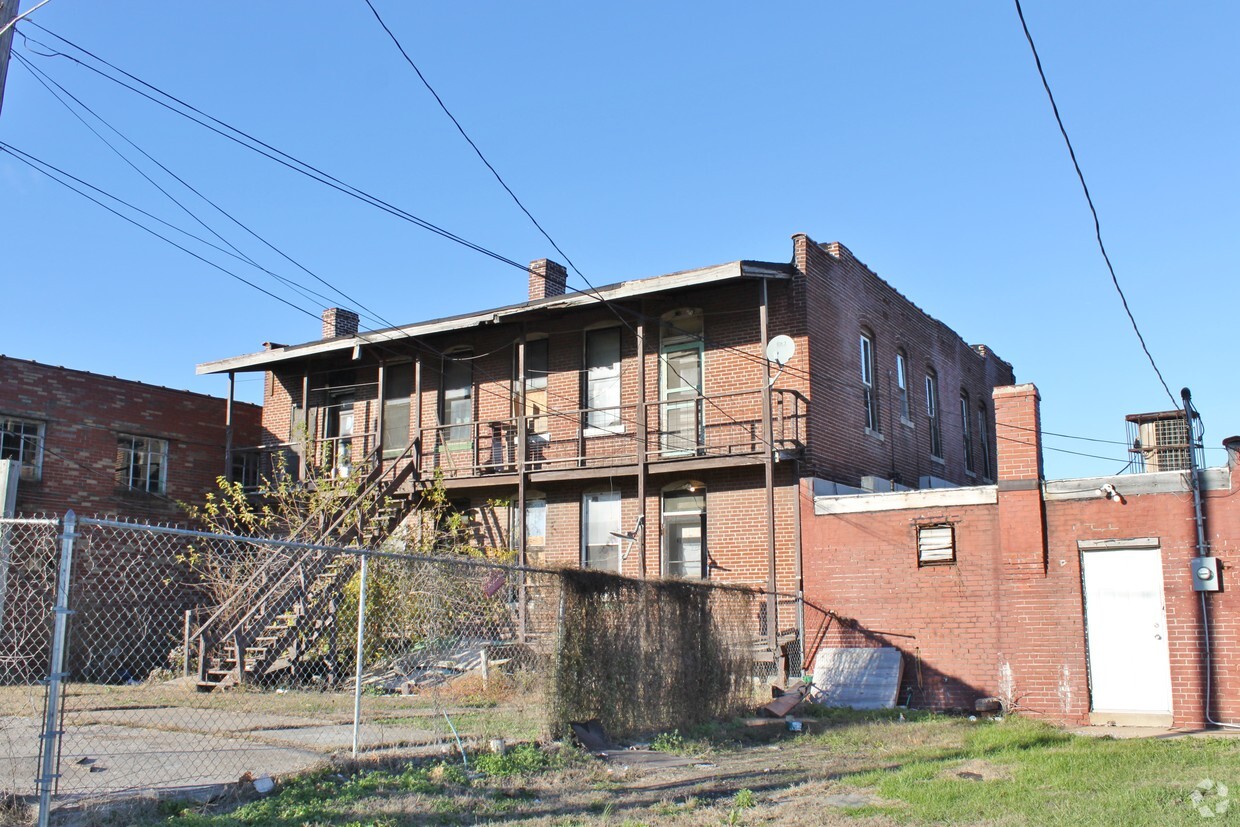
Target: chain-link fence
x: 29, y: 556
x: 185, y: 661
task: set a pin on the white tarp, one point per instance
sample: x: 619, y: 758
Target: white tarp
x: 857, y: 678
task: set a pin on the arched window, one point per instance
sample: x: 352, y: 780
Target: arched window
x: 684, y: 530
x: 966, y: 432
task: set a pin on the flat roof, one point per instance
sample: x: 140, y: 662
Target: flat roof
x: 611, y: 292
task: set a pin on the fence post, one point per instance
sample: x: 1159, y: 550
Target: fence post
x: 361, y: 649
x: 49, y: 739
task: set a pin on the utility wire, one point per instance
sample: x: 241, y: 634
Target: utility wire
x: 260, y: 147
x: 1097, y: 225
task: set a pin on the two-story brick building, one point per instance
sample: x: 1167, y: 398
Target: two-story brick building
x: 106, y: 446
x: 640, y: 427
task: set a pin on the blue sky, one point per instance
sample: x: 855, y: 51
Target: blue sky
x: 649, y: 138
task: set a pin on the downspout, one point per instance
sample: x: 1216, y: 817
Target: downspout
x: 1203, y: 550
x: 641, y: 443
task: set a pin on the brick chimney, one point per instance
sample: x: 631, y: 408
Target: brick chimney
x: 547, y: 279
x: 339, y: 322
x: 1022, y: 516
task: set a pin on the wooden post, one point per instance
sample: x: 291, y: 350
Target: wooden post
x: 8, y: 13
x: 228, y: 424
x: 641, y: 442
x: 522, y: 455
x: 768, y: 465
x: 380, y: 404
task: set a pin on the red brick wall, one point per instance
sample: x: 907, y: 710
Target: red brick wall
x: 998, y: 621
x: 83, y: 414
x: 843, y: 296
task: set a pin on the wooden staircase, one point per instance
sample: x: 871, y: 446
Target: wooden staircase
x: 295, y: 596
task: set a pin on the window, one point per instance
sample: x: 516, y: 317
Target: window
x: 535, y: 522
x: 21, y: 440
x: 966, y: 433
x: 142, y: 463
x: 536, y: 369
x: 603, y: 379
x: 936, y: 544
x: 397, y: 390
x: 684, y: 530
x: 680, y: 382
x: 867, y: 383
x: 457, y: 396
x: 932, y: 413
x: 600, y: 519
x: 902, y: 385
x: 983, y: 434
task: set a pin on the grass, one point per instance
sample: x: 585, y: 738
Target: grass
x: 920, y: 770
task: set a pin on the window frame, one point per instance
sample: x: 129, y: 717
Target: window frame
x: 457, y: 435
x: 129, y: 452
x: 869, y: 389
x: 966, y: 433
x: 603, y: 419
x: 32, y: 470
x: 983, y: 431
x: 684, y: 517
x: 608, y: 495
x: 902, y: 375
x: 934, y: 415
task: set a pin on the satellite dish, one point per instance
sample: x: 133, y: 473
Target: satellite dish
x: 780, y: 349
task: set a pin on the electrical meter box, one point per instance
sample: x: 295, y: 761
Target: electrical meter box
x: 1205, y: 574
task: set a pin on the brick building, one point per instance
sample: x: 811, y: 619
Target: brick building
x: 640, y: 427
x: 1073, y: 599
x: 106, y: 446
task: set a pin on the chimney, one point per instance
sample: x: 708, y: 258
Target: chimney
x: 339, y: 322
x: 1022, y: 516
x: 547, y: 279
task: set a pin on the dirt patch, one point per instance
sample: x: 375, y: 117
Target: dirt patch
x: 977, y: 770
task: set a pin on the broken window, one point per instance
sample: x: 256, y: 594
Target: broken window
x: 21, y: 440
x: 142, y: 463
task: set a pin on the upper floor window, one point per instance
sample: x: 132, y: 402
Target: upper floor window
x: 142, y: 463
x: 457, y: 396
x: 681, y: 382
x: 966, y: 433
x: 603, y: 378
x: 397, y: 394
x: 932, y: 414
x: 533, y: 404
x: 21, y: 440
x: 867, y: 383
x: 983, y: 433
x: 902, y: 385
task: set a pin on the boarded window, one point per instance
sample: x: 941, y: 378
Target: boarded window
x: 936, y: 544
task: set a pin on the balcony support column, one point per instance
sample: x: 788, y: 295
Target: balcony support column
x: 228, y: 426
x: 641, y: 439
x: 768, y: 466
x: 523, y: 450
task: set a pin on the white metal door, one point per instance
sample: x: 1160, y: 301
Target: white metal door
x: 1126, y: 628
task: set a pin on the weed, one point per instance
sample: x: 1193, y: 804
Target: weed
x: 523, y: 759
x: 668, y: 742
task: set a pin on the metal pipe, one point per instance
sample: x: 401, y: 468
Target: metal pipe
x: 772, y: 610
x: 50, y: 738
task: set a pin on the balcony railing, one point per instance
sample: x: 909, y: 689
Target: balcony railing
x: 720, y: 425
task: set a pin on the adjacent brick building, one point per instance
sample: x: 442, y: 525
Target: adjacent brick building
x: 112, y: 447
x: 1072, y: 599
x: 648, y: 408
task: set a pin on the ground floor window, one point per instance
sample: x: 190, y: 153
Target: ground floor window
x: 684, y: 530
x: 600, y: 522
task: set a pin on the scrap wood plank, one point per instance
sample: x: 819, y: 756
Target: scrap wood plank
x: 786, y: 702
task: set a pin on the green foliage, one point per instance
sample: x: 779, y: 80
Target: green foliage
x: 522, y: 759
x: 669, y: 742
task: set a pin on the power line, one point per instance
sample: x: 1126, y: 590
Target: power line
x: 248, y: 141
x: 1089, y: 200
